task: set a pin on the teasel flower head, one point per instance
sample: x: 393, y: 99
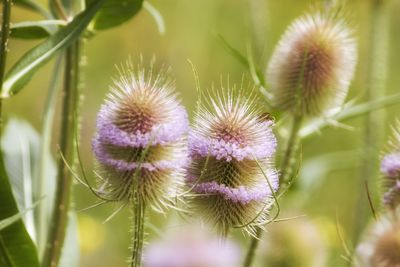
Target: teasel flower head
x: 390, y: 168
x: 312, y: 66
x: 381, y: 246
x: 141, y: 142
x: 231, y: 174
x: 192, y: 247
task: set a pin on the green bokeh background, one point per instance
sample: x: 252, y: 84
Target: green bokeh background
x: 191, y: 29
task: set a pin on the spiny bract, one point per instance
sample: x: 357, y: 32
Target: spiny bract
x: 231, y: 145
x: 141, y: 142
x: 312, y: 66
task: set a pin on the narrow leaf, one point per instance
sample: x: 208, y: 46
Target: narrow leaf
x: 16, y: 247
x: 23, y: 70
x: 33, y: 6
x: 158, y: 18
x: 13, y: 219
x: 70, y: 253
x: 114, y: 13
x: 35, y: 29
x: 349, y: 113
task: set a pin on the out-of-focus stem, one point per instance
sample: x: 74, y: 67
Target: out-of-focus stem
x: 59, y: 219
x: 286, y: 172
x: 5, y: 33
x: 374, y: 126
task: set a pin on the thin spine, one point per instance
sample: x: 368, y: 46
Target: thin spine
x: 374, y: 126
x: 59, y: 220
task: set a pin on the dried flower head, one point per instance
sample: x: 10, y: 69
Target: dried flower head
x: 312, y: 66
x: 192, y: 247
x: 140, y: 143
x: 231, y: 147
x: 381, y: 247
x: 390, y: 168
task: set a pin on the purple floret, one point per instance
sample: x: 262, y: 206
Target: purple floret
x: 390, y: 165
x: 264, y: 147
x: 241, y: 194
x: 178, y: 161
x: 161, y: 133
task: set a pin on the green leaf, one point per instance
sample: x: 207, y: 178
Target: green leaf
x: 16, y: 247
x: 33, y: 6
x: 349, y: 112
x: 158, y: 18
x: 35, y: 29
x: 70, y: 253
x: 23, y: 70
x: 114, y: 13
x: 10, y: 220
x: 20, y: 143
x: 13, y: 219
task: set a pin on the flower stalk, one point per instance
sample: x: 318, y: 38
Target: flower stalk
x: 70, y: 96
x: 139, y: 210
x: 5, y: 33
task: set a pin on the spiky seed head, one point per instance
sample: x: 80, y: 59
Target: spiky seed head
x: 381, y: 247
x: 312, y: 66
x: 141, y: 137
x: 227, y: 143
x: 390, y: 168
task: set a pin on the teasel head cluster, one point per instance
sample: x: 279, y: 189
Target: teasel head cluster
x: 141, y: 146
x: 381, y: 245
x: 141, y: 142
x: 311, y: 68
x: 390, y: 168
x: 231, y: 174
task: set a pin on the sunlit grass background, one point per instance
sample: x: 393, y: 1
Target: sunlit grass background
x: 323, y: 192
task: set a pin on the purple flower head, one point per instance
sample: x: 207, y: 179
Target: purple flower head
x: 311, y: 68
x: 141, y: 134
x: 231, y: 173
x: 192, y: 248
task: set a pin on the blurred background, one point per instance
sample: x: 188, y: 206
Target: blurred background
x: 328, y: 186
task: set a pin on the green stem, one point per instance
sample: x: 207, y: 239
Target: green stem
x: 285, y: 179
x: 42, y: 211
x: 374, y: 126
x: 5, y: 33
x: 139, y: 209
x: 59, y: 220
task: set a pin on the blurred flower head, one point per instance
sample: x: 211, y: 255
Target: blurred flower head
x: 312, y: 66
x: 390, y: 168
x: 141, y: 134
x: 192, y: 248
x: 381, y: 245
x: 231, y: 174
x: 299, y: 243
